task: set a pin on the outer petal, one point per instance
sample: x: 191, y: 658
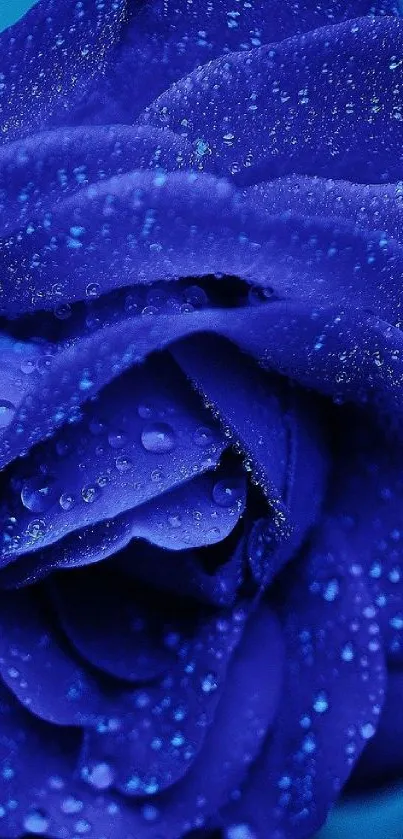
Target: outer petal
x: 145, y: 226
x: 365, y: 504
x: 366, y: 206
x: 274, y: 110
x: 40, y: 171
x: 57, y: 803
x: 381, y: 761
x: 51, y: 55
x: 332, y: 698
x: 166, y: 41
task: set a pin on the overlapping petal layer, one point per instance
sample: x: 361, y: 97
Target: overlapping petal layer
x: 156, y: 278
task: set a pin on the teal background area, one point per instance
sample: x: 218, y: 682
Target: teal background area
x: 380, y: 817
x: 11, y: 10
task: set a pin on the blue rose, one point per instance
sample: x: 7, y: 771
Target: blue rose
x: 201, y: 404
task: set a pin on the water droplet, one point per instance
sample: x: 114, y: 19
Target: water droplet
x: 101, y: 776
x: 90, y: 493
x: 96, y: 427
x: 145, y: 411
x: 62, y: 311
x: 321, y: 704
x: 27, y: 366
x: 203, y: 436
x: 71, y: 805
x: 367, y: 731
x: 36, y: 821
x: 117, y: 439
x: 209, y: 683
x: 196, y: 296
x: 239, y: 831
x: 228, y: 492
x: 123, y: 464
x: 67, y: 501
x: 92, y: 290
x: 36, y: 529
x: 158, y: 437
x: 38, y: 494
x: 7, y: 411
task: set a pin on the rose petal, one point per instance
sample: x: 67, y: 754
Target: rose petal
x: 331, y: 701
x: 62, y: 49
x: 364, y: 206
x: 381, y: 760
x: 165, y: 42
x: 144, y: 436
x: 364, y: 504
x: 37, y: 173
x: 359, y: 353
x: 142, y: 227
x: 258, y: 112
x: 53, y: 799
x: 277, y: 432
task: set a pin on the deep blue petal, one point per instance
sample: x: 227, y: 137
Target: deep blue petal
x: 275, y: 110
x: 166, y: 41
x: 331, y: 701
x: 50, y: 56
x: 144, y: 436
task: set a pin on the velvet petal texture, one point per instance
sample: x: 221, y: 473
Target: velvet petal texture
x: 334, y: 689
x: 62, y: 51
x: 258, y: 125
x: 200, y: 261
x: 56, y: 799
x: 165, y: 42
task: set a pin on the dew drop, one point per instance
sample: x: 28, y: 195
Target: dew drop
x: 62, y: 311
x: 209, y: 683
x: 123, y: 464
x: 27, y: 366
x: 36, y: 821
x: 116, y: 439
x: 320, y: 704
x: 71, y: 805
x: 239, y: 831
x: 145, y: 411
x: 203, y: 436
x: 38, y: 494
x: 367, y: 731
x: 92, y: 290
x: 7, y: 411
x: 67, y: 501
x: 101, y: 776
x: 36, y: 529
x: 227, y: 493
x: 90, y: 493
x: 158, y: 437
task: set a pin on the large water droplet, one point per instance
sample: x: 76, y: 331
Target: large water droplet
x: 158, y: 437
x: 228, y: 492
x: 36, y: 529
x: 90, y: 493
x: 209, y: 683
x: 117, y: 439
x: 203, y: 435
x: 239, y: 831
x: 36, y: 821
x: 101, y: 776
x: 67, y: 501
x: 38, y: 494
x: 7, y: 411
